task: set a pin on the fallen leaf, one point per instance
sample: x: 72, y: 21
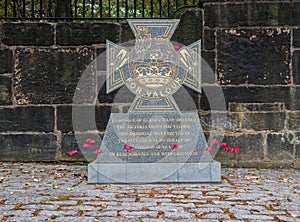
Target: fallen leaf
x: 2, y: 201
x: 293, y: 215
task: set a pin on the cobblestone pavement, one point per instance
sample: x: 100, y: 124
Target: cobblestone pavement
x: 40, y: 192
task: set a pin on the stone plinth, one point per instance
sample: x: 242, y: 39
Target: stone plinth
x: 152, y: 159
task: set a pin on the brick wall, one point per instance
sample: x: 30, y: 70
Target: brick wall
x: 253, y: 48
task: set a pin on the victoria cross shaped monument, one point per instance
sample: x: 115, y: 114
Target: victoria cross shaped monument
x: 154, y: 141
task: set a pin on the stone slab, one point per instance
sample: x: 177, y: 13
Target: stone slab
x: 152, y: 159
x: 61, y: 69
x: 5, y: 90
x: 86, y: 33
x: 256, y: 13
x: 289, y: 95
x: 37, y: 34
x: 6, y: 61
x: 154, y: 172
x: 30, y: 118
x: 269, y: 66
x: 27, y: 147
x: 296, y: 66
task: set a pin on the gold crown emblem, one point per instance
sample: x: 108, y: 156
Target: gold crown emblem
x: 153, y: 75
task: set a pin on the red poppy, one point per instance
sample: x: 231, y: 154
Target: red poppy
x: 97, y: 152
x: 235, y: 149
x: 209, y: 149
x: 226, y: 149
x: 73, y: 152
x: 214, y: 141
x: 224, y: 144
x: 86, y: 145
x: 90, y: 141
x: 174, y: 146
x: 126, y: 147
x: 177, y: 47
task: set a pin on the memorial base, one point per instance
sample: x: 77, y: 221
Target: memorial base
x: 152, y: 158
x: 146, y: 172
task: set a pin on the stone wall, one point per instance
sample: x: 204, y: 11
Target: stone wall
x: 253, y: 48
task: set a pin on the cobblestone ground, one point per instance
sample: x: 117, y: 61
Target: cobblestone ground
x: 39, y: 192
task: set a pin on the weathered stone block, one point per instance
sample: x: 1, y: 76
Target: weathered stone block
x: 259, y: 56
x: 32, y: 118
x: 273, y: 121
x: 86, y: 33
x: 5, y: 90
x: 83, y: 118
x: 27, y: 147
x: 208, y: 67
x: 51, y: 75
x: 290, y: 96
x: 64, y: 118
x: 38, y: 34
x: 126, y: 33
x: 231, y: 15
x: 294, y: 121
x: 256, y: 107
x: 218, y: 120
x: 288, y: 13
x: 189, y: 29
x: 251, y: 146
x: 296, y: 37
x: 209, y: 39
x: 252, y: 14
x: 6, y: 63
x: 279, y: 147
x: 296, y: 67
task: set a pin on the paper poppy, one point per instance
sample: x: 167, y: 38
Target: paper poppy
x: 227, y: 149
x: 224, y: 144
x: 214, y: 141
x: 73, y: 152
x: 86, y: 145
x: 174, y: 146
x: 176, y: 47
x: 97, y: 152
x: 90, y: 141
x: 209, y: 149
x: 126, y: 147
x: 235, y: 149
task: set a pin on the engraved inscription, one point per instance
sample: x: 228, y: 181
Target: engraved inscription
x: 154, y: 133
